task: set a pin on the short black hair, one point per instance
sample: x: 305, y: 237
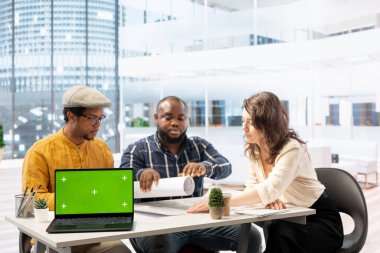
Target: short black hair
x: 171, y: 98
x: 77, y: 111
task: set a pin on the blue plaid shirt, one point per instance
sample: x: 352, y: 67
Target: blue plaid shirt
x: 149, y: 153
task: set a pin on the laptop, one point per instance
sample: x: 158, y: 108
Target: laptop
x: 89, y: 200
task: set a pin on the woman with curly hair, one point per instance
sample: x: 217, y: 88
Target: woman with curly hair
x: 280, y: 174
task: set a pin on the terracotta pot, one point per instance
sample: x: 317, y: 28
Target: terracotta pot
x: 216, y: 212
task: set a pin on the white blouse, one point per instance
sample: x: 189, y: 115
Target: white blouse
x: 293, y: 180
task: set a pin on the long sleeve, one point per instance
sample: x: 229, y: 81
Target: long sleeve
x: 133, y: 158
x: 149, y: 153
x: 35, y: 172
x: 57, y: 152
x: 292, y: 179
x: 252, y: 178
x: 217, y: 166
x: 282, y: 175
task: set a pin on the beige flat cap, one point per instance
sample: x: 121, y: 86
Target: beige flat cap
x: 84, y: 96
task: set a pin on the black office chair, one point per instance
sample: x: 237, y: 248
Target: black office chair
x: 347, y: 196
x: 24, y: 243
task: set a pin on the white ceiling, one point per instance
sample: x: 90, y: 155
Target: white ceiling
x: 260, y: 65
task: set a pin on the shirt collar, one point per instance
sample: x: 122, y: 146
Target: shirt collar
x: 68, y: 142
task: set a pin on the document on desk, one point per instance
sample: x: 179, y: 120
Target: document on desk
x: 167, y: 207
x: 258, y: 211
x: 167, y: 187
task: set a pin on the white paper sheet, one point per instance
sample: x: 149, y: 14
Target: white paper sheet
x: 167, y: 187
x: 167, y: 207
x: 258, y: 211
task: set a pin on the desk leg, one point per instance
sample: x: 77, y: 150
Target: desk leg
x: 244, y: 238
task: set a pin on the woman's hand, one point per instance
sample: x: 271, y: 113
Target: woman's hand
x: 276, y: 205
x: 201, y: 207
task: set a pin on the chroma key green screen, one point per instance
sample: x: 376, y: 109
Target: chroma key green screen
x: 93, y: 191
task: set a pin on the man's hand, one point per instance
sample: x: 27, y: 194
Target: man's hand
x: 193, y: 170
x: 201, y: 207
x: 148, y: 176
x: 276, y: 205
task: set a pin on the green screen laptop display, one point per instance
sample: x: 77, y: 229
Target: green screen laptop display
x: 94, y: 191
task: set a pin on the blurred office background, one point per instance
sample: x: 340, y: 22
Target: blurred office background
x: 320, y: 57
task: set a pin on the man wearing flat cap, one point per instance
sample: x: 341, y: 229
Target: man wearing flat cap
x: 75, y: 147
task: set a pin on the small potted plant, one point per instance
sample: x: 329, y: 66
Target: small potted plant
x: 216, y: 203
x: 41, y: 210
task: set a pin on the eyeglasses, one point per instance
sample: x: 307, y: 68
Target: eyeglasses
x: 93, y: 119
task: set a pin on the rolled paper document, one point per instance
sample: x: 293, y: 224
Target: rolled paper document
x: 167, y: 187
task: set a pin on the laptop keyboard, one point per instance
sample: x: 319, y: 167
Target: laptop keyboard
x: 99, y: 221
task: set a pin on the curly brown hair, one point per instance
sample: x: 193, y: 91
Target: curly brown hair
x: 270, y: 117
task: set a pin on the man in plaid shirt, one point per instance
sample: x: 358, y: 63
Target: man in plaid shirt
x: 170, y: 153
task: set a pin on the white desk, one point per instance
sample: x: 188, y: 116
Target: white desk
x: 147, y: 225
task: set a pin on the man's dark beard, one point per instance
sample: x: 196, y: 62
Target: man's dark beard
x: 164, y: 137
x: 87, y: 138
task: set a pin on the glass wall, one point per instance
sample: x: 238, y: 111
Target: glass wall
x: 48, y: 46
x: 320, y: 57
x: 216, y: 53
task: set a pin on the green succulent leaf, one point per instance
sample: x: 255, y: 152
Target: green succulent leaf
x: 215, y: 198
x: 41, y: 203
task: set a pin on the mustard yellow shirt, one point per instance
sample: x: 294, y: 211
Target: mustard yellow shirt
x: 58, y: 152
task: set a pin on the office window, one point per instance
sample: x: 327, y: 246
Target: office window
x: 212, y: 54
x: 51, y: 55
x: 218, y: 113
x: 365, y: 115
x: 333, y: 118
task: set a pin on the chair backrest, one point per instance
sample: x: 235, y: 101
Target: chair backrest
x: 135, y: 246
x: 347, y: 196
x: 24, y: 243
